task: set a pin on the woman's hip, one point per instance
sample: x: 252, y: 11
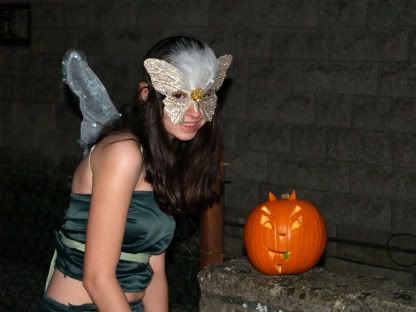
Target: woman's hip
x: 51, y: 305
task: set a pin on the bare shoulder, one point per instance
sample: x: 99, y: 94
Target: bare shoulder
x: 120, y: 150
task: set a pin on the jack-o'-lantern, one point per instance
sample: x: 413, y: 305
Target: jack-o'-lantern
x: 284, y: 236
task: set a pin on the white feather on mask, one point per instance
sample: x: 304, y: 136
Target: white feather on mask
x: 198, y: 65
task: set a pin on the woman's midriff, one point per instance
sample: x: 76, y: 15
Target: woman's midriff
x: 65, y: 289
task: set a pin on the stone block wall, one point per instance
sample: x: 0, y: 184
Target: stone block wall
x: 328, y: 110
x: 320, y: 99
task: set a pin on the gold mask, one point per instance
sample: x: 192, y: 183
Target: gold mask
x: 169, y: 81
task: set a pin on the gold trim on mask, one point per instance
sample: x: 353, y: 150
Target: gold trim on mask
x: 197, y: 94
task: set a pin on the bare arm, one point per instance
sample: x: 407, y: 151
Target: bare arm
x: 156, y: 294
x: 116, y: 169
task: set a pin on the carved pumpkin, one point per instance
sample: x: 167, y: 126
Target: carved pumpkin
x: 284, y: 236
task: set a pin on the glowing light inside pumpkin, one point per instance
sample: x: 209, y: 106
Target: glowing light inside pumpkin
x: 277, y: 236
x: 264, y: 219
x: 295, y: 225
x: 296, y: 210
x: 265, y: 209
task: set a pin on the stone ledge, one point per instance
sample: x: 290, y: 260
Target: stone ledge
x: 236, y: 286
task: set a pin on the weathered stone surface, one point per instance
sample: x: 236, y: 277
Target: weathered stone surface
x: 263, y: 136
x: 242, y: 196
x: 401, y: 115
x: 233, y: 247
x: 359, y: 146
x: 173, y: 13
x: 52, y: 66
x: 23, y: 88
x: 301, y: 44
x: 369, y: 44
x: 309, y: 142
x: 391, y: 12
x: 333, y: 110
x: 54, y: 40
x: 281, y: 107
x: 252, y: 44
x: 4, y: 87
x: 342, y: 12
x: 383, y: 113
x: 50, y: 90
x: 403, y: 217
x: 353, y: 78
x: 20, y: 63
x: 403, y: 149
x: 222, y: 38
x: 397, y: 79
x: 24, y: 138
x: 320, y: 175
x: 110, y: 13
x: 235, y: 101
x: 288, y: 76
x: 230, y: 129
x: 284, y: 13
x: 237, y: 286
x: 381, y: 248
x: 383, y: 181
x: 376, y: 260
x: 77, y: 14
x: 353, y: 210
x: 227, y: 13
x: 404, y: 279
x: 68, y: 116
x: 34, y: 115
x: 47, y: 16
x: 294, y: 108
x: 348, y: 78
x: 412, y: 45
x: 245, y: 165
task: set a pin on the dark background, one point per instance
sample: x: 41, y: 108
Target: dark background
x: 320, y: 99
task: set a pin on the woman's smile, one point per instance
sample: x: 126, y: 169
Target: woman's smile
x: 191, y: 126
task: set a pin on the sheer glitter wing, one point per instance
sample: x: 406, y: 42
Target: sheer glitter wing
x: 96, y: 107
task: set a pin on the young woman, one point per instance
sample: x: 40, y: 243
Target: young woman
x: 160, y: 157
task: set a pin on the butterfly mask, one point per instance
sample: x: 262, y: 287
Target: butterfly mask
x: 190, y: 78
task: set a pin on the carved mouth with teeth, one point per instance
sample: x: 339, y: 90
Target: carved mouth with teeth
x: 284, y: 254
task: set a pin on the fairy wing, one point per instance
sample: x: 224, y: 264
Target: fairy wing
x: 96, y: 106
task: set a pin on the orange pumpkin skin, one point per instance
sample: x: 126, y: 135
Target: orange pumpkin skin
x: 284, y: 236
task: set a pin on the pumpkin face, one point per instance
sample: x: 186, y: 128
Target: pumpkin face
x: 284, y: 236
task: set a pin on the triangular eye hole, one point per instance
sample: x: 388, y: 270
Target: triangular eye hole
x: 296, y: 224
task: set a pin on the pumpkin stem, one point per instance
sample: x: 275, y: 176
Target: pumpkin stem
x: 293, y: 195
x: 272, y: 197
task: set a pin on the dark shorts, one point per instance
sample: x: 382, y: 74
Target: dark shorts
x: 50, y: 305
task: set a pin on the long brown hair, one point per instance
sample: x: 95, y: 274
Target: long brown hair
x: 185, y: 175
